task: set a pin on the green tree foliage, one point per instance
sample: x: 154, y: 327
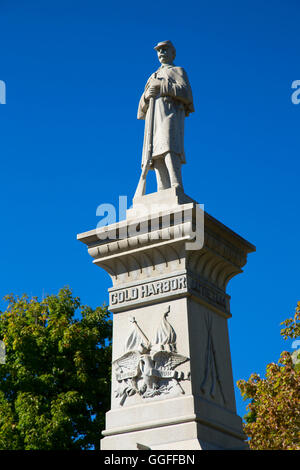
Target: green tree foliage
x: 55, y: 382
x: 273, y: 419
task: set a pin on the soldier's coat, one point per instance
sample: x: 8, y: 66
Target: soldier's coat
x: 174, y: 102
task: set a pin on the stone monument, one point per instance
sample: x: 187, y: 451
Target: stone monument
x: 170, y: 263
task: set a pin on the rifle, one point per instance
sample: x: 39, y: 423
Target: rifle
x: 141, y: 187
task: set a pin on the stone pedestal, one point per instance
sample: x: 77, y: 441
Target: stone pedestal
x: 172, y: 385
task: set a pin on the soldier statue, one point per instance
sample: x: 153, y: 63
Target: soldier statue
x: 166, y: 101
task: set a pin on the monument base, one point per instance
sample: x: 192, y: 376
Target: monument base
x: 193, y: 424
x: 172, y: 384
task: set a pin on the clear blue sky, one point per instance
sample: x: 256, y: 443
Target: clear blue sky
x: 70, y: 140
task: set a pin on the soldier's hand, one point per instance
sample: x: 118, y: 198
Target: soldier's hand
x: 153, y: 89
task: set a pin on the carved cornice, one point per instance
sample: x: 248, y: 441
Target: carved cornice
x: 150, y: 249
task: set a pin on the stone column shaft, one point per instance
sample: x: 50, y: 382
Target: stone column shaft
x: 172, y: 385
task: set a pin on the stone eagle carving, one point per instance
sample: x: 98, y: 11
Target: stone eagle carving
x: 149, y: 369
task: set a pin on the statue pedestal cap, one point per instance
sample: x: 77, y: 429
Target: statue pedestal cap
x: 172, y: 385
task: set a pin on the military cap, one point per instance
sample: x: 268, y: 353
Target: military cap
x: 164, y: 43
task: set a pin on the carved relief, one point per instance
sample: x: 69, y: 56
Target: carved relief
x: 162, y: 287
x: 211, y: 371
x: 148, y: 369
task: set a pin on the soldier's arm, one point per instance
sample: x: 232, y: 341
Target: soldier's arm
x: 144, y: 101
x: 143, y: 107
x: 178, y: 87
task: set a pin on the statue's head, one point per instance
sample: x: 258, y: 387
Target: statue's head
x: 166, y: 52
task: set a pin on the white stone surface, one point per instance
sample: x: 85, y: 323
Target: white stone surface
x: 172, y: 100
x: 150, y: 275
